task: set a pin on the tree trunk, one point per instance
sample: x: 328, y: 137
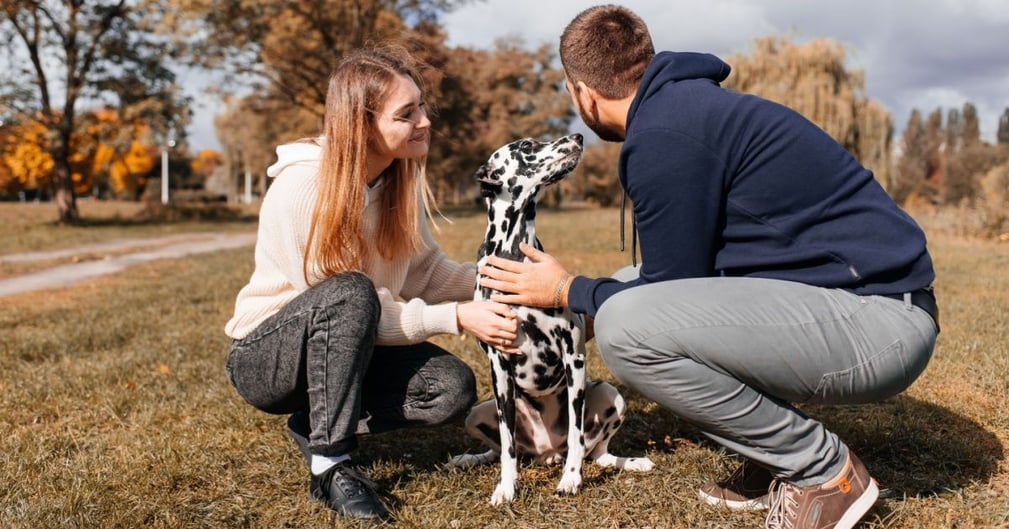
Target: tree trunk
x: 66, y: 203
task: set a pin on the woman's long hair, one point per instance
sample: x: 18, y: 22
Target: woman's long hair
x: 336, y: 243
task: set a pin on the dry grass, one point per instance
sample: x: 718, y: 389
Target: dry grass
x: 118, y: 414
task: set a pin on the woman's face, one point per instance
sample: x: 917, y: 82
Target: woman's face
x: 401, y: 128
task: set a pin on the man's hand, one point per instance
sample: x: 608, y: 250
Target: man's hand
x: 540, y: 282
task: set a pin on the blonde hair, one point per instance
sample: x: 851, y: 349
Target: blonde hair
x: 359, y: 85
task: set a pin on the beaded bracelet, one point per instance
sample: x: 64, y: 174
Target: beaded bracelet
x: 560, y: 287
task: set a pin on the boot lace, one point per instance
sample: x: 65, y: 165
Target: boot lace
x: 784, y: 500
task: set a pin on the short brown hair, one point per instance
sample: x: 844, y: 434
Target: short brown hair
x: 607, y: 47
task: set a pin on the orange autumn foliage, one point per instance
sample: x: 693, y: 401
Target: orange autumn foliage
x: 104, y: 154
x: 25, y: 159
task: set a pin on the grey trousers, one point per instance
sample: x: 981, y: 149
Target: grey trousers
x: 316, y: 359
x: 732, y: 355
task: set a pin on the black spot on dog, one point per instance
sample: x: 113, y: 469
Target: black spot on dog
x: 579, y: 404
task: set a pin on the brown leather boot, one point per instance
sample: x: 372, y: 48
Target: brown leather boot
x: 745, y: 489
x: 837, y: 504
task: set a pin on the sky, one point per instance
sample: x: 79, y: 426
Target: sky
x: 916, y: 54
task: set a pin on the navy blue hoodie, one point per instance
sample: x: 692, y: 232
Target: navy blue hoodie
x: 729, y: 184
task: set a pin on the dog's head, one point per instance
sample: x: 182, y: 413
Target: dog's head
x: 519, y: 171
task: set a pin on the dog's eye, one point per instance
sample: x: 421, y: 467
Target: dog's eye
x: 526, y: 145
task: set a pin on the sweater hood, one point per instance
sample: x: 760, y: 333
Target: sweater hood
x: 668, y: 66
x: 308, y: 154
x: 302, y: 153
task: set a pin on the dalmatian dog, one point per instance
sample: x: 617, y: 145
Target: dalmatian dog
x: 543, y: 407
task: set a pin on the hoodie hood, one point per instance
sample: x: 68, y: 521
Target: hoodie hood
x: 302, y: 153
x: 308, y: 154
x: 670, y: 67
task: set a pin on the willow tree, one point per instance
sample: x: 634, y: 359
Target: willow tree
x: 76, y: 54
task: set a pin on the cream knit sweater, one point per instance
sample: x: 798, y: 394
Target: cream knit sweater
x: 412, y: 291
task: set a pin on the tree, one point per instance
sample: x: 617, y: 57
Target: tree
x: 25, y: 163
x: 100, y: 52
x: 596, y: 176
x: 283, y: 68
x: 970, y: 132
x: 935, y: 170
x: 286, y: 50
x: 966, y: 157
x: 486, y: 99
x: 910, y: 173
x: 480, y: 99
x: 1003, y: 128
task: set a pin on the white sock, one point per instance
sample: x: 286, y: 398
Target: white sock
x: 321, y: 464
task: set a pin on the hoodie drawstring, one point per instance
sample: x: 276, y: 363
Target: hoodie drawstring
x: 634, y: 230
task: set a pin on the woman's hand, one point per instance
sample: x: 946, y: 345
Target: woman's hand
x: 491, y: 322
x: 541, y: 282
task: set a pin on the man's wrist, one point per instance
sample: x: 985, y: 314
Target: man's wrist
x: 563, y: 286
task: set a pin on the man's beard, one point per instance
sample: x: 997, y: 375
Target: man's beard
x: 605, y: 133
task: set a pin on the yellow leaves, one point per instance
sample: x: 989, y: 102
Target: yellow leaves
x: 26, y: 156
x: 206, y: 162
x: 126, y: 171
x: 103, y: 150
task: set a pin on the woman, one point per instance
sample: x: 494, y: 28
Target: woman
x: 348, y: 284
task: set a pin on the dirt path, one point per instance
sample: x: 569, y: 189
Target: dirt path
x: 129, y: 252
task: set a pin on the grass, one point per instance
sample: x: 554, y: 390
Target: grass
x: 117, y: 412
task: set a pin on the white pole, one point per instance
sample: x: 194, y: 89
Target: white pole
x: 164, y: 176
x: 248, y: 187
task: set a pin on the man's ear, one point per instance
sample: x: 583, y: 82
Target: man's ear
x: 587, y: 96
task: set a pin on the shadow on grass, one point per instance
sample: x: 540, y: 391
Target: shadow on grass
x: 912, y: 447
x: 916, y: 448
x: 157, y: 213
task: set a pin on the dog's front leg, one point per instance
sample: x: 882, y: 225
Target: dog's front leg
x: 504, y: 398
x: 574, y: 364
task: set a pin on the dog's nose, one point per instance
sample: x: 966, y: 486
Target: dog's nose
x: 577, y: 137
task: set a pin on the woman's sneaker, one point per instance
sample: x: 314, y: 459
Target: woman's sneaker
x: 746, y: 488
x: 837, y: 504
x: 347, y: 492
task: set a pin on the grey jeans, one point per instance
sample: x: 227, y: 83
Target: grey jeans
x: 316, y: 359
x: 732, y: 355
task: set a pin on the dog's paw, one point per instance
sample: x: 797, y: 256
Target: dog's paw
x: 638, y: 464
x: 504, y: 493
x: 634, y: 464
x: 569, y: 484
x: 471, y: 460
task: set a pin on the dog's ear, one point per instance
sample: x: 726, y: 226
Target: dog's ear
x: 488, y: 186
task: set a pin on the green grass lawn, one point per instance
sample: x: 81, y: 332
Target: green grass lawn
x: 117, y: 413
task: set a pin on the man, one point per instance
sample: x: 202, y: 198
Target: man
x: 775, y: 270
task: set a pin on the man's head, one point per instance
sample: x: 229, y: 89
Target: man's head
x: 606, y: 49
